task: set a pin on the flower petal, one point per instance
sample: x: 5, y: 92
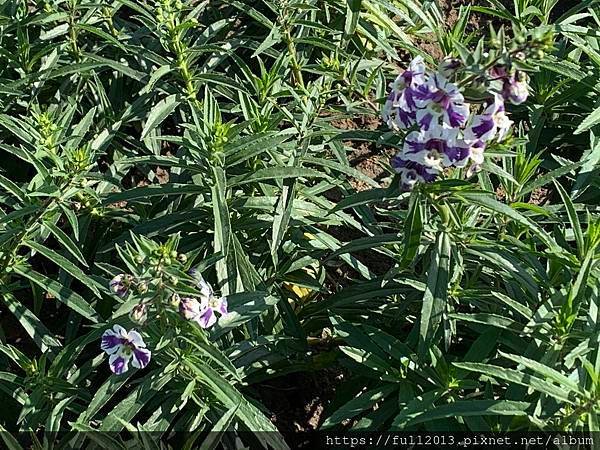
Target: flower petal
x: 119, y: 285
x: 207, y: 318
x: 119, y: 363
x: 205, y: 288
x: 140, y: 358
x: 136, y: 339
x: 223, y: 306
x: 189, y: 308
x: 111, y: 342
x: 483, y: 128
x: 119, y: 330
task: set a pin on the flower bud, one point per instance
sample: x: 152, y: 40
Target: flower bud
x: 139, y: 259
x: 515, y: 88
x: 175, y: 300
x: 120, y: 284
x: 173, y: 254
x: 139, y: 314
x: 189, y: 308
x: 142, y: 288
x: 174, y: 281
x: 449, y: 66
x: 182, y: 258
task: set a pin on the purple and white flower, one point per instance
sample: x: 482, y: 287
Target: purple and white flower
x: 438, y: 147
x: 123, y: 347
x: 204, y: 308
x: 516, y: 88
x: 399, y: 109
x: 493, y: 123
x: 412, y: 172
x: 120, y: 284
x: 476, y: 153
x: 438, y: 99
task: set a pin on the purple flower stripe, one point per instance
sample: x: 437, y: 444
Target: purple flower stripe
x: 457, y: 154
x: 414, y: 146
x: 110, y: 341
x: 401, y: 164
x: 405, y: 117
x: 207, y: 318
x: 118, y: 365
x: 455, y: 117
x: 485, y: 126
x: 425, y: 121
x: 409, y: 98
x: 223, y: 306
x: 141, y: 357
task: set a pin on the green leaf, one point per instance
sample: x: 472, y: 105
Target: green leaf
x: 44, y: 339
x: 248, y: 147
x: 64, y: 264
x: 243, y: 307
x: 573, y: 218
x: 550, y: 176
x: 380, y: 368
x: 63, y: 294
x: 101, y: 438
x: 436, y: 293
x: 12, y: 188
x: 465, y: 408
x: 159, y: 113
x: 222, y: 229
x: 370, y: 242
x: 66, y: 242
x: 275, y: 173
x: 589, y: 121
x: 359, y: 404
x: 413, y: 228
x: 150, y: 388
x: 219, y: 428
x: 352, y: 15
x: 230, y: 397
x: 154, y: 190
x: 102, y: 396
x: 491, y: 204
x: 545, y: 371
x: 518, y: 377
x: 9, y: 440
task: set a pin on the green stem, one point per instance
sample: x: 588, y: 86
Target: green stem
x: 298, y: 78
x: 182, y: 64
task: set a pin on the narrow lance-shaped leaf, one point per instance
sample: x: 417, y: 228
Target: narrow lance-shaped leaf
x: 222, y: 228
x: 159, y: 113
x: 64, y: 264
x: 57, y: 290
x: 436, y: 293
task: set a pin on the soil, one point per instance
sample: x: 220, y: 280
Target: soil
x: 540, y: 196
x: 297, y: 401
x: 366, y: 157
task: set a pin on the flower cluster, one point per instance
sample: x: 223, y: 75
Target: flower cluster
x: 443, y: 131
x: 124, y: 346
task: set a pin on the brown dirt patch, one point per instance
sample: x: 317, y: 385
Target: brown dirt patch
x: 297, y: 400
x: 366, y: 157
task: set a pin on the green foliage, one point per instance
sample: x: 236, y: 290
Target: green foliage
x: 149, y: 138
